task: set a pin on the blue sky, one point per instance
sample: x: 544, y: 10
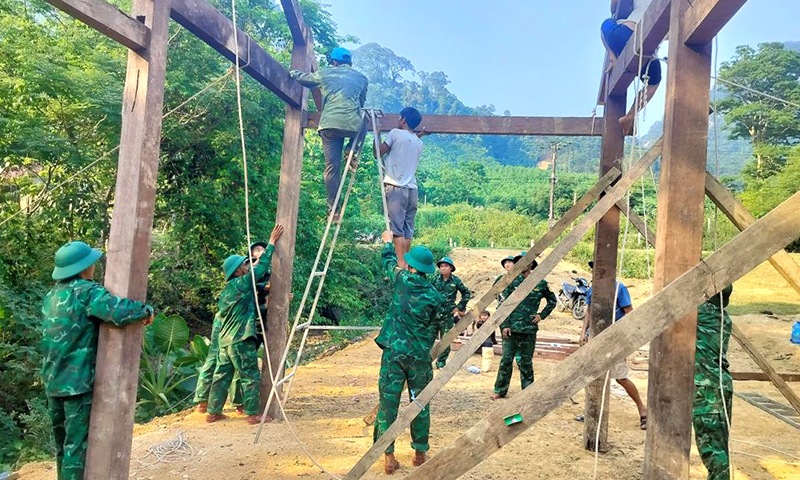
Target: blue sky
x: 533, y: 57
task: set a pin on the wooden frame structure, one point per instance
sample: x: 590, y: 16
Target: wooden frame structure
x: 683, y: 281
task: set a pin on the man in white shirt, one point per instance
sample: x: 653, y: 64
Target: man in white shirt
x: 402, y: 148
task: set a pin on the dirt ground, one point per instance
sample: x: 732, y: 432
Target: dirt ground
x: 332, y: 395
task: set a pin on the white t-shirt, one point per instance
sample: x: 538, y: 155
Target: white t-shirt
x: 639, y: 7
x: 403, y: 158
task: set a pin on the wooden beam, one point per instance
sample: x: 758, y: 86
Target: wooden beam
x: 494, y: 125
x: 119, y: 349
x: 214, y: 28
x: 679, y: 239
x: 294, y: 17
x: 655, y: 26
x: 741, y: 218
x: 707, y: 17
x: 604, y: 273
x: 108, y: 20
x: 283, y: 258
x: 764, y: 364
x: 663, y: 310
x: 461, y: 357
x: 763, y: 377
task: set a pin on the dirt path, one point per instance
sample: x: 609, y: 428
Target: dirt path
x: 331, y: 395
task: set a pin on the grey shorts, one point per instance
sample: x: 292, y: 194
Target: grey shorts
x: 402, y: 206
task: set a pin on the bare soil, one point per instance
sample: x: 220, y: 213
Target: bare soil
x: 333, y: 394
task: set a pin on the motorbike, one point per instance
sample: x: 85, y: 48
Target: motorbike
x: 573, y: 297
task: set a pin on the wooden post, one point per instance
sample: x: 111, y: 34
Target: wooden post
x: 678, y: 248
x: 117, y: 374
x: 665, y: 308
x: 604, y: 273
x: 283, y: 259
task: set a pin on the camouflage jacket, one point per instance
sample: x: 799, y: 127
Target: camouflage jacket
x: 509, y: 289
x: 521, y: 319
x: 72, y: 312
x: 706, y: 356
x: 450, y: 288
x: 344, y: 91
x: 237, y: 304
x: 412, y: 316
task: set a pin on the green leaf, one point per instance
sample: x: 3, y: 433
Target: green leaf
x: 170, y: 332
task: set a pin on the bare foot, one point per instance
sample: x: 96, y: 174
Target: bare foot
x: 256, y: 419
x: 202, y: 407
x: 419, y: 458
x: 213, y: 417
x: 626, y: 123
x: 611, y: 63
x: 391, y: 464
x: 496, y: 396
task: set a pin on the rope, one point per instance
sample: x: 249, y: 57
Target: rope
x: 174, y: 450
x: 716, y: 140
x: 249, y: 240
x: 757, y: 92
x: 46, y: 191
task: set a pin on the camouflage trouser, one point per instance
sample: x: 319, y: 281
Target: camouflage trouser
x: 444, y: 325
x: 711, y: 430
x: 396, y: 370
x: 519, y: 346
x: 70, y: 417
x: 205, y: 375
x: 241, y: 358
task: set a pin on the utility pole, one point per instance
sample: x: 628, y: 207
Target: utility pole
x: 555, y: 146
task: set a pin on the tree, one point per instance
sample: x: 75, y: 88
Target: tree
x: 773, y: 70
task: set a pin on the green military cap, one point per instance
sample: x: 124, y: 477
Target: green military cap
x: 518, y: 257
x: 726, y: 297
x: 448, y: 261
x: 420, y: 258
x: 259, y: 244
x: 231, y: 263
x: 509, y: 258
x: 73, y: 258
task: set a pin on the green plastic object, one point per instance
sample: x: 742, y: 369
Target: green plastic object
x: 512, y: 419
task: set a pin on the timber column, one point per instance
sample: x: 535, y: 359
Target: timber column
x: 678, y: 248
x: 604, y: 271
x: 119, y: 349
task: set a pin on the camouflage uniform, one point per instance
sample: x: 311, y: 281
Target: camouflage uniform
x: 522, y: 342
x: 206, y: 373
x: 70, y: 327
x: 406, y: 340
x: 708, y: 416
x: 238, y: 340
x: 449, y: 288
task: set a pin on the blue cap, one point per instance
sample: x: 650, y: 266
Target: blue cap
x: 341, y: 55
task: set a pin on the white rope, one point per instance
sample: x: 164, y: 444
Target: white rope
x: 173, y: 450
x: 47, y: 191
x: 716, y: 140
x: 752, y: 90
x: 249, y: 240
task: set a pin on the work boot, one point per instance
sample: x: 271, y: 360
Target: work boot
x: 419, y: 458
x: 202, y: 407
x: 213, y: 417
x: 256, y: 419
x: 391, y: 464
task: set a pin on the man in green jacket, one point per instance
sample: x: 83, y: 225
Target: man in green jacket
x: 449, y: 286
x: 713, y: 385
x: 238, y: 337
x: 344, y: 92
x: 205, y: 375
x: 72, y: 312
x: 519, y: 332
x: 406, y: 340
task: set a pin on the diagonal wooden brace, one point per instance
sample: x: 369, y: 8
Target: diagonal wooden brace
x: 731, y: 262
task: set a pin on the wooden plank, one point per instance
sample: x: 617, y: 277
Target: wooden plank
x: 108, y: 20
x: 283, y: 258
x: 764, y: 365
x: 294, y: 18
x: 655, y: 26
x: 741, y: 218
x: 119, y: 349
x: 214, y: 28
x: 707, y: 17
x: 763, y: 377
x: 663, y: 310
x: 604, y: 273
x: 460, y: 358
x: 494, y: 125
x: 679, y: 238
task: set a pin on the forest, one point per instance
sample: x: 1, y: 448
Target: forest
x: 60, y: 94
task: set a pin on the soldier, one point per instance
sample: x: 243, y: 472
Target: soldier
x: 449, y: 286
x: 238, y: 338
x: 206, y: 374
x: 507, y: 264
x: 406, y: 340
x: 713, y: 385
x: 72, y: 312
x: 519, y: 332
